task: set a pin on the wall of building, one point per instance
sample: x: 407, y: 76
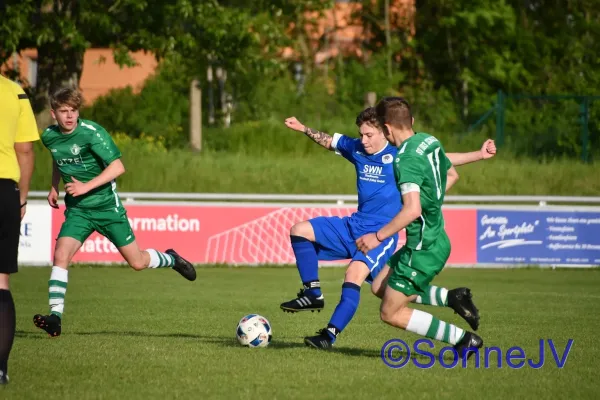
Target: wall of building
x: 100, y: 72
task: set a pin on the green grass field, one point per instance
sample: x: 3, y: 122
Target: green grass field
x: 154, y: 335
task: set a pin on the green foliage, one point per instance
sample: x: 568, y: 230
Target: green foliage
x: 535, y: 127
x: 144, y: 144
x: 235, y: 35
x: 434, y: 109
x: 160, y: 110
x: 557, y: 43
x: 13, y: 27
x: 474, y: 48
x: 355, y: 78
x: 467, y: 48
x: 280, y: 98
x: 288, y: 162
x: 463, y: 52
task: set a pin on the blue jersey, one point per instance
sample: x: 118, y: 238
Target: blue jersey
x: 378, y: 195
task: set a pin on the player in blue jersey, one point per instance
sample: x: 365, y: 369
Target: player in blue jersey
x: 333, y: 238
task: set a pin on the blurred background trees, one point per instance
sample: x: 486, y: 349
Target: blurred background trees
x: 261, y: 60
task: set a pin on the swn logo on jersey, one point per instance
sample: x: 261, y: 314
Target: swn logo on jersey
x: 371, y: 169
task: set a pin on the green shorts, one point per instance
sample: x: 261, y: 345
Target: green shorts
x: 413, y: 270
x: 113, y: 224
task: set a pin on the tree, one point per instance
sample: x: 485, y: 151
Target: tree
x: 62, y: 31
x: 558, y: 43
x: 467, y: 47
x: 236, y: 34
x: 14, y: 25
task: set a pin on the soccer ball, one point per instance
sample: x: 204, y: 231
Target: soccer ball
x: 254, y: 331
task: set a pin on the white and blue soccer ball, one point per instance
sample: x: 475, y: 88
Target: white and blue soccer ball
x: 254, y: 331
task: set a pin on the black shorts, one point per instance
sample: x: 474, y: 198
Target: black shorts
x: 10, y: 226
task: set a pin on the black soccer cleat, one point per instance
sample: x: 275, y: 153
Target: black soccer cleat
x: 460, y: 300
x: 183, y: 266
x: 468, y: 345
x: 304, y: 302
x: 3, y: 378
x: 49, y: 323
x: 321, y: 341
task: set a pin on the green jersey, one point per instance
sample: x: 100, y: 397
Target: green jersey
x: 84, y: 154
x: 421, y: 165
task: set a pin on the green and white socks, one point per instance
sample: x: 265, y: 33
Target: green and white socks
x: 160, y: 260
x: 59, y: 277
x: 433, y: 296
x: 57, y: 288
x: 427, y: 325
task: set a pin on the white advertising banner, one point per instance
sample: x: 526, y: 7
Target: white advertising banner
x: 36, y: 231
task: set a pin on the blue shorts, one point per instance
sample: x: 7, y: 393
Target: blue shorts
x: 336, y: 240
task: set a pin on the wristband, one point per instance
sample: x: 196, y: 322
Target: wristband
x: 23, y: 205
x: 377, y: 237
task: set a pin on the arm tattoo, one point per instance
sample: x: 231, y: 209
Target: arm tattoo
x: 319, y: 137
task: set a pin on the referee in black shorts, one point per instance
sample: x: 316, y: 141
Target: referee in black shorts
x: 18, y: 131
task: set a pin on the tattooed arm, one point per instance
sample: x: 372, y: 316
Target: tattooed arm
x: 319, y: 137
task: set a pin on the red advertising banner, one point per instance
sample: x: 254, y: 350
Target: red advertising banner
x: 239, y: 234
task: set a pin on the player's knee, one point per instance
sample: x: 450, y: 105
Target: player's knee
x: 302, y: 229
x: 357, y: 272
x: 388, y: 314
x: 4, y: 282
x: 353, y: 276
x: 138, y: 265
x: 385, y: 315
x: 61, y: 256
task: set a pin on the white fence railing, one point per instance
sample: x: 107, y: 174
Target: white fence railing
x: 338, y: 198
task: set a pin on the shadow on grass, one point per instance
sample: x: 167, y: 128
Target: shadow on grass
x: 39, y: 335
x: 42, y: 335
x: 276, y: 344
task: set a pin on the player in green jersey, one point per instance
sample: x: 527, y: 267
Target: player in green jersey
x: 88, y: 161
x: 423, y: 174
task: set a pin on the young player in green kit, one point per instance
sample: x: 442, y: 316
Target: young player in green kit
x: 88, y: 161
x: 423, y: 174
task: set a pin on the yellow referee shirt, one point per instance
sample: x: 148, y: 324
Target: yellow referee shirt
x: 17, y: 124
